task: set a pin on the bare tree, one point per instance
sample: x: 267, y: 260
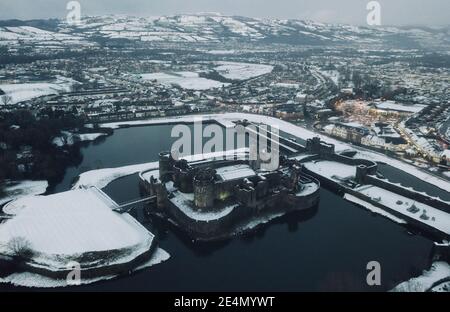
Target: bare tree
x: 20, y: 248
x: 6, y: 99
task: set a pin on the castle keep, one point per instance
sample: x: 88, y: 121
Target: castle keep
x: 211, y: 198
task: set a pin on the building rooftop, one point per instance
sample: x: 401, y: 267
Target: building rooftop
x: 393, y: 106
x: 235, y: 172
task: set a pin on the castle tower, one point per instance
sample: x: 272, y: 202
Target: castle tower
x: 161, y: 196
x: 165, y: 166
x: 204, y: 189
x: 182, y: 176
x: 361, y: 173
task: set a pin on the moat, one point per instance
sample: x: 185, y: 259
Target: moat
x: 325, y: 249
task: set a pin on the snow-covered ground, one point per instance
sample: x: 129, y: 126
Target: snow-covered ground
x: 16, y: 189
x: 286, y: 85
x: 373, y: 208
x: 242, y: 71
x: 20, y: 92
x: 63, y: 227
x: 71, y: 223
x: 332, y: 170
x: 102, y: 177
x: 331, y: 74
x: 27, y: 279
x: 90, y: 136
x: 167, y: 120
x: 185, y: 80
x: 26, y: 34
x: 185, y: 202
x: 439, y: 271
x: 60, y: 228
x: 220, y: 52
x: 435, y: 218
x: 68, y: 138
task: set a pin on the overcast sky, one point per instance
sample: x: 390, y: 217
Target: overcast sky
x: 394, y: 12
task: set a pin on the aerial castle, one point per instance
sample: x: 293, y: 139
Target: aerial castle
x: 213, y: 198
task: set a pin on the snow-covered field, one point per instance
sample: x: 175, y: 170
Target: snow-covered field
x: 16, y: 35
x: 439, y: 271
x: 16, y: 189
x: 64, y: 227
x: 71, y: 223
x: 242, y: 71
x: 207, y: 27
x: 185, y: 80
x: 20, y: 92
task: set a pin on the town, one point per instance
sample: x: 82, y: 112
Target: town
x: 349, y: 93
x: 358, y: 117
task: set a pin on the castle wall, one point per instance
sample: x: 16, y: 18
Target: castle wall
x: 93, y: 272
x: 207, y: 230
x: 415, y: 223
x: 420, y: 197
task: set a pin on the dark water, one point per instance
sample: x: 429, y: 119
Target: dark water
x: 397, y: 176
x: 325, y: 250
x: 126, y: 146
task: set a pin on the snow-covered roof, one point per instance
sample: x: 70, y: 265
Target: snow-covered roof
x: 235, y: 172
x: 390, y: 105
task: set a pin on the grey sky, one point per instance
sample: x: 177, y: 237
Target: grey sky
x: 394, y: 12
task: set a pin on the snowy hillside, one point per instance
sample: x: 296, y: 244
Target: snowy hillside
x: 214, y: 27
